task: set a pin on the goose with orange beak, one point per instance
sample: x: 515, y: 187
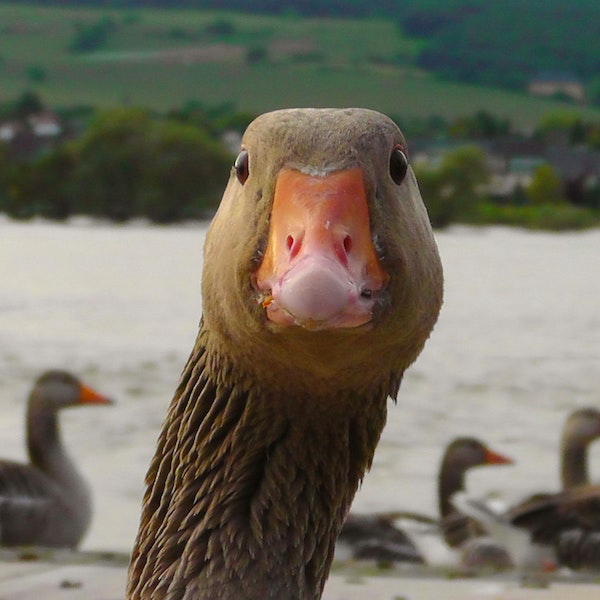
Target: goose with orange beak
x: 47, y: 502
x: 321, y: 284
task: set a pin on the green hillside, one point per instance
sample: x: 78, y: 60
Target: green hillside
x: 163, y: 59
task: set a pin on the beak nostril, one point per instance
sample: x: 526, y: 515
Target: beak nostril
x: 347, y: 244
x: 293, y: 245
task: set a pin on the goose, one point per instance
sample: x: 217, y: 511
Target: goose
x: 321, y: 284
x: 561, y: 528
x: 581, y: 428
x: 382, y: 537
x: 566, y: 523
x: 461, y: 455
x: 47, y: 502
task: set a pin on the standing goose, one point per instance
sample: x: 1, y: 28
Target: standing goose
x: 46, y: 502
x: 321, y: 284
x: 379, y: 536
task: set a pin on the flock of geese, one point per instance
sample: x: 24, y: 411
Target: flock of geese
x: 321, y: 284
x: 543, y: 531
x: 48, y: 503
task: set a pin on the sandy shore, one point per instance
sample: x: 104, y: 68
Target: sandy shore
x: 102, y: 576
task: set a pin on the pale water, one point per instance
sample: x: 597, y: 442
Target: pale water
x: 517, y: 347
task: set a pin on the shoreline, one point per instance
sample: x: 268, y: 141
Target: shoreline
x: 28, y: 573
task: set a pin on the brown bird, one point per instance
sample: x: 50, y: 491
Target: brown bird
x: 321, y: 284
x: 381, y: 536
x: 460, y: 456
x: 568, y: 521
x: 561, y: 527
x: 47, y: 502
x: 581, y: 428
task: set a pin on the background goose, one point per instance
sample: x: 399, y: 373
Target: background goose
x: 321, y: 284
x: 383, y: 536
x: 46, y: 502
x: 461, y: 455
x: 567, y: 522
x: 554, y: 527
x: 581, y: 428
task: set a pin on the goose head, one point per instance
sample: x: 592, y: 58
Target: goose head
x: 327, y: 262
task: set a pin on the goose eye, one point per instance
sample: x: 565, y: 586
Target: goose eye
x: 241, y: 166
x: 398, y: 165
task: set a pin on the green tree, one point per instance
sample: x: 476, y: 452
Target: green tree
x: 131, y: 164
x: 452, y: 191
x: 36, y: 73
x: 545, y: 187
x: 29, y: 103
x: 593, y: 91
x: 90, y: 37
x: 48, y: 186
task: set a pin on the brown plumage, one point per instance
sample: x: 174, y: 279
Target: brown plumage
x: 283, y: 399
x: 568, y: 521
x: 461, y: 455
x: 46, y: 502
x: 581, y: 428
x: 561, y: 527
x: 379, y: 537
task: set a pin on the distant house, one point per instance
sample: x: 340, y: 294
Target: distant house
x: 24, y: 139
x: 551, y: 83
x: 9, y: 130
x: 517, y: 175
x: 45, y: 124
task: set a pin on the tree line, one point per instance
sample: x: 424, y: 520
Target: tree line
x: 129, y: 163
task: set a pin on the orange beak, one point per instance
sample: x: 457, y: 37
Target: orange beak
x: 320, y: 269
x: 89, y: 396
x: 493, y: 458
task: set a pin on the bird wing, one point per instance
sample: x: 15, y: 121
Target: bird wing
x: 26, y: 495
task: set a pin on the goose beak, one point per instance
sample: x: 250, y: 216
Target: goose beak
x: 320, y: 269
x: 493, y: 458
x: 89, y: 396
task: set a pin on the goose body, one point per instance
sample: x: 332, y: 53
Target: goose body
x: 379, y: 537
x: 404, y: 537
x: 321, y: 284
x: 46, y: 502
x: 567, y: 523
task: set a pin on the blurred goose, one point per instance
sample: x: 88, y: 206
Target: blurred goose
x: 568, y: 523
x: 392, y: 537
x: 461, y: 455
x: 321, y: 284
x: 562, y: 527
x: 581, y: 428
x: 47, y: 502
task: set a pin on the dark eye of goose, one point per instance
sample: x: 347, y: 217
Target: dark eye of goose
x: 398, y: 165
x: 241, y: 166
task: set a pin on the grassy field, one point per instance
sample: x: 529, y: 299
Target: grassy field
x: 163, y: 59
